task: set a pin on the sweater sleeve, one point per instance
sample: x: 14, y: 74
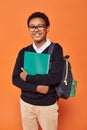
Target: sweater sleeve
x: 54, y: 75
x: 16, y: 80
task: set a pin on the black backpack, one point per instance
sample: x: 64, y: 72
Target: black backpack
x: 67, y: 86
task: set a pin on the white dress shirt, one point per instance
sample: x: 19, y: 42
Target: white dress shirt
x: 43, y: 47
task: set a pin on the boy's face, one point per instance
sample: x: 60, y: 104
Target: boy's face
x: 38, y: 30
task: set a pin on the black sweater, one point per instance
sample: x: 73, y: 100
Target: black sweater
x: 28, y: 88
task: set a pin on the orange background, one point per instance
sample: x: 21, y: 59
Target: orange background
x: 68, y: 27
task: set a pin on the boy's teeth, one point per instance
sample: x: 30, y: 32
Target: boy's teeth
x: 37, y: 35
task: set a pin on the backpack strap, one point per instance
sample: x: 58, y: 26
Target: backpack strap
x: 50, y: 51
x: 66, y: 73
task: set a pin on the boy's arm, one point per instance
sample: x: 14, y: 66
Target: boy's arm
x: 16, y: 80
x: 20, y: 83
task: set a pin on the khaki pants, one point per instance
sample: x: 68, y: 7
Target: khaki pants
x: 46, y: 116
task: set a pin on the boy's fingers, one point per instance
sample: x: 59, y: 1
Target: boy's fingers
x: 23, y: 69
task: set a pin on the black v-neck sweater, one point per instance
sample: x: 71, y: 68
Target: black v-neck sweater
x: 28, y: 88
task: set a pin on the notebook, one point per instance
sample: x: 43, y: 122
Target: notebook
x: 36, y: 63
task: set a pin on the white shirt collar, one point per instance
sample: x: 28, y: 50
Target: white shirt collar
x: 43, y: 47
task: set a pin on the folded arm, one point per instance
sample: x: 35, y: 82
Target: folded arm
x: 18, y: 78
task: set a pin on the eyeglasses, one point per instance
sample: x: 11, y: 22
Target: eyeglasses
x: 39, y: 27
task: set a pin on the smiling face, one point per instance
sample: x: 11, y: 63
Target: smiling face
x: 38, y: 30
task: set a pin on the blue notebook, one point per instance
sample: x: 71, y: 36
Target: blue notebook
x: 36, y: 63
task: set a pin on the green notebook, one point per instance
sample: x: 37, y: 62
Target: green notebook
x: 36, y: 63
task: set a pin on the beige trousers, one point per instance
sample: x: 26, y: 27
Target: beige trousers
x: 46, y: 116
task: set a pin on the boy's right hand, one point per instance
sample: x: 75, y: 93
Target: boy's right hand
x: 42, y: 89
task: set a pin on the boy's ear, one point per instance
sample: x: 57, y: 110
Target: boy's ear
x: 48, y: 29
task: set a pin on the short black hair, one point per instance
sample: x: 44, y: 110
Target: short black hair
x: 39, y: 15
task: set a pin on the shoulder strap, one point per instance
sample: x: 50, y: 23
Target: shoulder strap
x: 50, y: 50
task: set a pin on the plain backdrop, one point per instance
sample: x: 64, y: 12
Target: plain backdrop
x: 68, y: 27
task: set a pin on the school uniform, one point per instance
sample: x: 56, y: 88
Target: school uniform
x: 36, y: 107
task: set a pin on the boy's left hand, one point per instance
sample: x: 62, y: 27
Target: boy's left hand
x: 23, y: 74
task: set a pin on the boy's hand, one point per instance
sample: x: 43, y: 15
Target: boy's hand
x: 23, y: 74
x: 42, y: 89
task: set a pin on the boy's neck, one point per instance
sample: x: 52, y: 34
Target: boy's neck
x: 39, y: 44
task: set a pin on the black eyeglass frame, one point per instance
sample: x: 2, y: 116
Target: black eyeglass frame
x: 39, y: 27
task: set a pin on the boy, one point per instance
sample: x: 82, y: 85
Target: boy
x: 38, y: 97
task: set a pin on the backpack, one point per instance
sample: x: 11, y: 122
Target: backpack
x: 67, y: 86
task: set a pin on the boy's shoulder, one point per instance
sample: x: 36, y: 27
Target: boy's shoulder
x: 27, y: 48
x: 57, y: 46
